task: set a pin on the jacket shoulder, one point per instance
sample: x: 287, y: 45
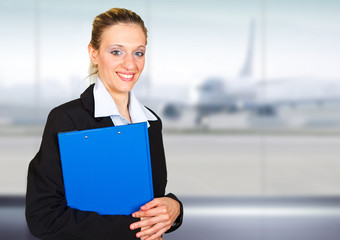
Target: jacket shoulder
x: 60, y: 118
x: 72, y: 114
x: 81, y: 105
x: 69, y: 107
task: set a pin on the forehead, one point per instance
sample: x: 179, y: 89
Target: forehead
x: 123, y: 34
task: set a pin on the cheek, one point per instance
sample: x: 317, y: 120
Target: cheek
x: 110, y: 64
x: 140, y: 64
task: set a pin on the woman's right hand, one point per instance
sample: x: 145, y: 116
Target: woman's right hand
x: 144, y: 228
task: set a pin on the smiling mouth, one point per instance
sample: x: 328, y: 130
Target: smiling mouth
x: 125, y: 77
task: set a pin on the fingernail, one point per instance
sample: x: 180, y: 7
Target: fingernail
x: 132, y: 227
x: 138, y: 235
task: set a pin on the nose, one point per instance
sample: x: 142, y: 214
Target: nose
x: 129, y: 62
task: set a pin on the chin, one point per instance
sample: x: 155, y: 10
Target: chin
x: 126, y: 89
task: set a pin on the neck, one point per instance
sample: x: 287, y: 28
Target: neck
x: 122, y: 102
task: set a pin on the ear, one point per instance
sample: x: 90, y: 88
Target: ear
x: 93, y: 53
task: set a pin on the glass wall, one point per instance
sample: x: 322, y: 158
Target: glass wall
x: 248, y: 91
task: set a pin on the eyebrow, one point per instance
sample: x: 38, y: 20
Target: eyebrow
x: 122, y: 46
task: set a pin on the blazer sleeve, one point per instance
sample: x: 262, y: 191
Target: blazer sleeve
x: 47, y: 213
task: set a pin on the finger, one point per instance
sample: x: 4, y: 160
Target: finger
x: 150, y: 231
x: 144, y: 228
x: 143, y: 238
x: 136, y: 214
x: 152, y: 212
x: 154, y: 229
x: 157, y: 235
x: 144, y: 223
x: 148, y: 222
x: 153, y: 203
x: 132, y: 226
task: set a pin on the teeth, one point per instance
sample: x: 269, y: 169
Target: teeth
x: 125, y: 75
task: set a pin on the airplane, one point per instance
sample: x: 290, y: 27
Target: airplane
x: 245, y: 93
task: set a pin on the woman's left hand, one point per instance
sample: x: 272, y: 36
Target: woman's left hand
x: 157, y: 216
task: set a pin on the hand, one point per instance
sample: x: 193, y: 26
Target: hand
x: 157, y: 216
x: 144, y: 228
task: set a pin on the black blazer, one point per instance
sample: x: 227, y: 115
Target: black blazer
x: 47, y: 213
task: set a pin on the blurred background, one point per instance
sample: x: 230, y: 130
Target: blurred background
x: 249, y: 95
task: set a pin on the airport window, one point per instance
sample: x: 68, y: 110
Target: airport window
x: 250, y: 103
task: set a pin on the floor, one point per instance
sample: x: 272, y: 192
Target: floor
x: 236, y: 218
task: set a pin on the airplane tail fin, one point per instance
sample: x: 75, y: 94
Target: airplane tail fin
x: 247, y: 70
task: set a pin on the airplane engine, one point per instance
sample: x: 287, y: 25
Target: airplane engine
x: 266, y: 110
x: 172, y: 111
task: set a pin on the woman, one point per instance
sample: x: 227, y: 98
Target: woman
x: 117, y: 53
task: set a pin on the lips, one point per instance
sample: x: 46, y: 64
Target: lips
x: 127, y: 77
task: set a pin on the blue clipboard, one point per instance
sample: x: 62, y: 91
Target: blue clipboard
x: 107, y: 170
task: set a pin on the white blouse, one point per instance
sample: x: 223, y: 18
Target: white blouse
x: 105, y: 106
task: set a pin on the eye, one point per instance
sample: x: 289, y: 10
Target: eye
x: 116, y: 52
x: 139, y: 54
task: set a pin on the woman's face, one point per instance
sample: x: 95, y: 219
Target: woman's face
x: 120, y: 57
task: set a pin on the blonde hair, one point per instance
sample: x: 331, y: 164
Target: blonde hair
x: 105, y: 20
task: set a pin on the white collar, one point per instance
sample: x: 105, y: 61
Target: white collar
x: 105, y: 106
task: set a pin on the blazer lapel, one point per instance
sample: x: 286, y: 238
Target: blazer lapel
x: 87, y: 99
